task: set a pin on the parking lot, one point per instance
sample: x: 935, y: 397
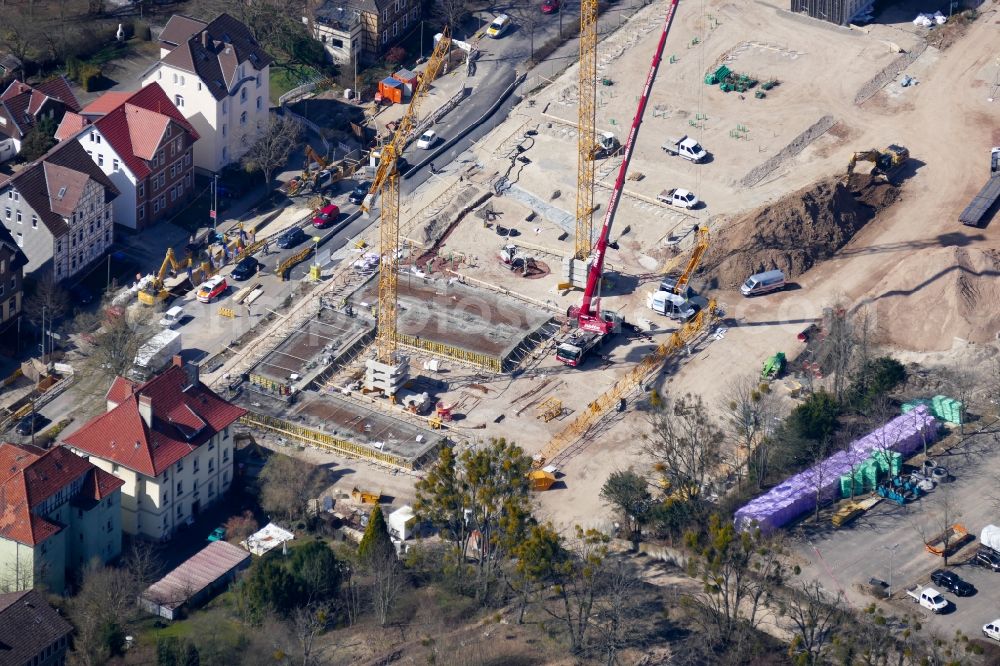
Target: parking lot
x: 844, y: 560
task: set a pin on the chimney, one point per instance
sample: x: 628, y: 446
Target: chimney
x: 146, y: 409
x: 204, y: 38
x: 192, y: 374
x: 178, y: 361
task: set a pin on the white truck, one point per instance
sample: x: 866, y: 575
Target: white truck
x: 156, y: 354
x: 686, y: 147
x: 678, y: 197
x: 929, y: 598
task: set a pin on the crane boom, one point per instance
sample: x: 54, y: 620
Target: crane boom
x: 589, y: 316
x: 701, y: 246
x: 392, y: 151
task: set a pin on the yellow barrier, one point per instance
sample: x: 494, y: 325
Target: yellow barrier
x: 482, y: 361
x: 323, y: 440
x: 296, y: 258
x: 227, y: 312
x: 12, y: 377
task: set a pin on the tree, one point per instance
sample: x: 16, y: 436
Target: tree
x: 395, y: 56
x: 629, y: 493
x: 749, y: 410
x: 273, y: 146
x: 319, y: 571
x: 837, y: 349
x: 874, y: 379
x: 110, y: 352
x: 450, y: 12
x: 536, y: 556
x: 102, y: 611
x: 530, y: 20
x: 817, y: 620
x: 684, y: 442
x: 38, y: 140
x: 238, y: 528
x: 944, y: 512
x: 815, y: 419
x: 269, y: 587
x: 387, y: 579
x: 376, y: 542
x: 738, y: 571
x: 616, y: 609
x: 287, y: 484
x: 577, y: 578
x: 307, y: 623
x: 45, y: 299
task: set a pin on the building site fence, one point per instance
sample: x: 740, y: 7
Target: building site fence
x: 323, y: 440
x: 481, y: 361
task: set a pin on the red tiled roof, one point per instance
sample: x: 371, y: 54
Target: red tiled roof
x: 70, y: 126
x: 133, y: 134
x: 121, y: 390
x: 180, y: 28
x: 21, y: 103
x: 27, y: 479
x: 184, y: 418
x: 106, y: 103
x: 58, y: 88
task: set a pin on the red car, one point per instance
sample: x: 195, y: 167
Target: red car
x: 326, y: 217
x: 550, y: 6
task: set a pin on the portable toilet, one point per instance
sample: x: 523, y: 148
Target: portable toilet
x: 409, y: 80
x: 391, y: 90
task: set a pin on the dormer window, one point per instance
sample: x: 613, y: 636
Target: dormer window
x: 178, y: 101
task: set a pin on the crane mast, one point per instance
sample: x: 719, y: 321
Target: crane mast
x: 586, y: 122
x: 589, y: 313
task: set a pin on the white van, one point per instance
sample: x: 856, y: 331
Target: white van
x: 670, y: 305
x: 762, y: 283
x: 172, y: 317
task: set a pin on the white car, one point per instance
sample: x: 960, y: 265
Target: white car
x: 992, y: 630
x: 499, y: 26
x: 427, y: 140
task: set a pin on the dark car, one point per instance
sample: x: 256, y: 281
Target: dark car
x: 291, y: 238
x: 246, y: 269
x: 988, y: 558
x: 951, y: 581
x: 327, y: 216
x: 550, y: 6
x: 30, y: 423
x: 358, y: 194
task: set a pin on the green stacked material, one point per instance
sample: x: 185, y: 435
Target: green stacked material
x: 869, y: 474
x: 895, y: 464
x: 726, y: 86
x: 845, y: 486
x: 760, y: 94
x: 913, y: 404
x: 947, y: 409
x: 717, y: 76
x: 767, y: 85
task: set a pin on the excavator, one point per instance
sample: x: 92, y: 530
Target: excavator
x: 153, y: 291
x: 885, y: 161
x: 594, y: 325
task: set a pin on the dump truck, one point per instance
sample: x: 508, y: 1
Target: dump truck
x: 947, y: 541
x: 686, y: 147
x: 981, y: 204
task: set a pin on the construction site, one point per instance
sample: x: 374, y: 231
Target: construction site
x: 515, y: 293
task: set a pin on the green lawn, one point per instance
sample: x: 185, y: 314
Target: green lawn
x: 286, y: 77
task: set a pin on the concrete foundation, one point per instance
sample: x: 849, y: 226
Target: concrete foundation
x: 386, y: 378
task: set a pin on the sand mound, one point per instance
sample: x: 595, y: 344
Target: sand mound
x: 796, y: 231
x: 951, y: 292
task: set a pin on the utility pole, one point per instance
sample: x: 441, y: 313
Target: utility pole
x: 892, y: 551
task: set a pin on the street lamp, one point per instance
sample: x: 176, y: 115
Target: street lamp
x: 892, y: 551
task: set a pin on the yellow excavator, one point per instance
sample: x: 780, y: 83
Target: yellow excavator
x: 885, y: 161
x: 154, y: 291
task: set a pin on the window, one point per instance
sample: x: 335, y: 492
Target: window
x: 211, y: 488
x: 187, y: 158
x: 225, y: 455
x: 19, y: 217
x: 224, y: 151
x: 182, y: 79
x: 187, y: 179
x: 160, y: 156
x: 258, y: 80
x: 395, y: 28
x: 167, y: 132
x: 385, y: 14
x: 142, y: 212
x: 142, y: 190
x: 243, y: 118
x: 225, y: 108
x: 225, y: 477
x: 100, y: 160
x: 20, y: 239
x: 211, y: 465
x: 243, y: 95
x: 159, y: 74
x: 156, y: 206
x: 195, y: 465
x: 180, y: 488
x: 180, y: 465
x: 34, y: 221
x: 259, y: 103
x: 385, y: 37
x: 180, y: 510
x: 178, y: 102
x: 173, y: 198
x: 223, y: 129
x: 114, y: 164
x: 175, y: 77
x: 225, y: 432
x: 7, y: 211
x: 199, y: 85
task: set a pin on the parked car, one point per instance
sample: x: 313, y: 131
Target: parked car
x: 327, y: 216
x: 988, y: 558
x: 172, y: 317
x: 246, y: 269
x: 550, y: 6
x: 427, y: 140
x: 291, y: 237
x: 212, y: 288
x: 952, y: 582
x: 30, y: 423
x: 992, y: 630
x: 500, y: 25
x: 358, y: 194
x: 218, y: 534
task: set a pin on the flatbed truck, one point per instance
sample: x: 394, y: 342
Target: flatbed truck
x: 981, y: 203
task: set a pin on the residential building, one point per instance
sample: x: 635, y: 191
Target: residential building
x: 367, y: 28
x: 145, y: 146
x: 170, y: 440
x: 31, y: 632
x: 840, y: 12
x: 12, y: 263
x: 23, y: 106
x: 218, y: 76
x: 57, y: 513
x: 59, y: 211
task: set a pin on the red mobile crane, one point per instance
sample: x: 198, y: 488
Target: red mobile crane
x: 595, y: 326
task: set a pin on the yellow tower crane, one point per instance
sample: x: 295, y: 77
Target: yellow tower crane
x: 700, y: 247
x: 386, y: 184
x: 586, y: 123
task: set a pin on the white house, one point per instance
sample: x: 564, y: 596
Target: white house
x: 217, y: 76
x: 170, y: 440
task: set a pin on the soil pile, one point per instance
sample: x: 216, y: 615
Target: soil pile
x: 796, y: 231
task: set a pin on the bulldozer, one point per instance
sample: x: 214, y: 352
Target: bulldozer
x: 885, y: 161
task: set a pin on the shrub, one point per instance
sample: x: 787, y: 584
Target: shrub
x: 90, y: 76
x: 395, y: 56
x: 816, y: 418
x: 142, y: 31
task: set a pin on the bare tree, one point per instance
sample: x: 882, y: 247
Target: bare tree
x: 306, y: 624
x: 530, y: 20
x: 111, y: 351
x: 578, y: 581
x: 993, y: 383
x: 749, y: 408
x: 616, y: 609
x: 450, y: 12
x: 387, y: 580
x: 817, y: 618
x: 684, y: 442
x: 287, y: 484
x: 837, y: 350
x: 101, y: 612
x: 944, y: 512
x: 46, y: 299
x: 273, y: 147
